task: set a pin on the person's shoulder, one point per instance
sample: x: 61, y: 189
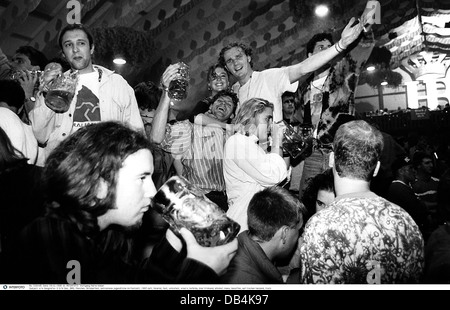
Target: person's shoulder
x: 7, y: 114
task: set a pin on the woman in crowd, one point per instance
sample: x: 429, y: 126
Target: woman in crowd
x: 248, y: 165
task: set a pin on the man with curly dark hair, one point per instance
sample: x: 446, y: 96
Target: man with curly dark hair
x: 98, y: 187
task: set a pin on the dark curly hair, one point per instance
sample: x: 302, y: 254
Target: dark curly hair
x: 74, y: 169
x: 317, y: 38
x: 226, y: 93
x: 147, y: 95
x: 36, y: 57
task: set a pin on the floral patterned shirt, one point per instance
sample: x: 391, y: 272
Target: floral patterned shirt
x: 362, y: 239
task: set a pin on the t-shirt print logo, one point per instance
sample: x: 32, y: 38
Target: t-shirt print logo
x: 87, y: 109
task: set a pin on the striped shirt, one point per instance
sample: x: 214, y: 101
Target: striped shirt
x: 177, y: 138
x: 203, y: 160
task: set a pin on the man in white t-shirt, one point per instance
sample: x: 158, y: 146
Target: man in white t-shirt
x: 271, y: 83
x: 101, y: 94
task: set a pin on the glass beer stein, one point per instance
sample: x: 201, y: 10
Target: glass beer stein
x: 297, y: 142
x: 181, y: 204
x: 178, y: 87
x: 61, y: 91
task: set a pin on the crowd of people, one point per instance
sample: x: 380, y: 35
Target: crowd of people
x: 358, y: 207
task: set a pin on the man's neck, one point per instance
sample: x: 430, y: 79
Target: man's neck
x: 345, y: 186
x: 287, y: 117
x: 88, y: 69
x: 246, y: 78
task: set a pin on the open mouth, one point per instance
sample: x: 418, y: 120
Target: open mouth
x: 221, y: 109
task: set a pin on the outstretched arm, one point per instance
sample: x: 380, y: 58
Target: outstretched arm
x: 316, y: 61
x: 162, y: 111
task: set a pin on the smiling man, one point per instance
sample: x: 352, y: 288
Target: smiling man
x: 197, y: 150
x: 271, y: 83
x: 203, y: 161
x: 100, y: 94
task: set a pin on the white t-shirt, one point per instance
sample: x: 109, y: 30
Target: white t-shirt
x: 87, y: 109
x: 269, y: 84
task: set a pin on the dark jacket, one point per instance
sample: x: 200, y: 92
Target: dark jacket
x: 45, y: 247
x: 251, y: 265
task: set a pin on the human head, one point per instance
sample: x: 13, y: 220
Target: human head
x: 85, y: 175
x: 423, y: 162
x: 402, y: 169
x: 75, y: 26
x: 28, y: 58
x: 236, y: 58
x: 319, y: 192
x: 289, y: 103
x: 9, y: 155
x: 357, y: 149
x: 12, y: 95
x: 224, y: 105
x: 254, y: 117
x: 217, y: 78
x: 77, y: 45
x: 147, y: 95
x: 312, y: 47
x: 274, y: 214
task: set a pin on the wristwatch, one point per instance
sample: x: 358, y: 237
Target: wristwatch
x: 33, y: 99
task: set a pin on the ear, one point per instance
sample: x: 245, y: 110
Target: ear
x: 331, y: 160
x: 249, y: 59
x: 377, y: 168
x: 102, y: 189
x: 310, y: 54
x: 284, y: 234
x: 92, y: 49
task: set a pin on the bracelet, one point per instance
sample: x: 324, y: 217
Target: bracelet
x: 338, y: 47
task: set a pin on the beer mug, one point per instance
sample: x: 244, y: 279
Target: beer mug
x: 61, y: 90
x: 182, y: 204
x: 297, y: 143
x: 18, y: 74
x: 178, y: 86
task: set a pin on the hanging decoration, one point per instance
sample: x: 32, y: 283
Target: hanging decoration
x: 135, y: 46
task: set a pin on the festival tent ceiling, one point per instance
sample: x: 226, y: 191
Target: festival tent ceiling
x: 155, y: 33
